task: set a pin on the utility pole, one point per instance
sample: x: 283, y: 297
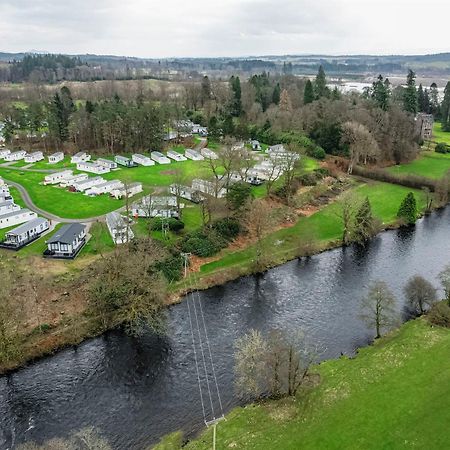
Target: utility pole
x: 214, y: 423
x: 186, y: 262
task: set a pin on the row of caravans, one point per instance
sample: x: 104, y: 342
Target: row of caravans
x: 92, y: 186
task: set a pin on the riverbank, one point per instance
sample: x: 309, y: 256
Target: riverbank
x: 323, y: 227
x: 393, y: 394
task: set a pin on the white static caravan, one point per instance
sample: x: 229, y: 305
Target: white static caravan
x: 106, y: 163
x: 16, y: 218
x: 150, y: 206
x: 4, y: 152
x: 124, y: 161
x: 25, y: 233
x: 127, y: 191
x: 67, y: 242
x: 186, y: 192
x: 55, y: 157
x: 193, y: 154
x: 251, y: 177
x: 80, y: 157
x: 58, y: 177
x: 15, y: 156
x: 159, y: 158
x: 83, y: 185
x: 142, y: 160
x: 104, y: 188
x: 34, y: 157
x: 70, y: 181
x: 198, y: 129
x: 119, y: 229
x: 208, y: 153
x: 8, y: 207
x: 209, y: 188
x: 172, y: 154
x: 92, y: 168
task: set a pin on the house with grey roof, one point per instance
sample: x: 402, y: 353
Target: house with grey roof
x: 25, y: 234
x: 67, y: 242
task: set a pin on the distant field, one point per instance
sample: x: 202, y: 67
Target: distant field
x: 428, y: 164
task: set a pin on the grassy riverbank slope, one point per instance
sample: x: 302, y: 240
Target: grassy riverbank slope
x: 394, y: 394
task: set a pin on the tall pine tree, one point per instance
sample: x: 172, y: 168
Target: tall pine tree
x: 408, y: 210
x: 320, y: 84
x: 308, y: 93
x: 381, y: 93
x: 410, y: 103
x: 445, y: 109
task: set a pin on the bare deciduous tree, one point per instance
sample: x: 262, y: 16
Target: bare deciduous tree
x: 420, y: 294
x: 378, y: 308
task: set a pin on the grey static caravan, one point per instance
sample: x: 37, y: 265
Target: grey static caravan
x: 193, y: 154
x: 124, y: 161
x: 67, y: 242
x: 25, y: 234
x: 119, y: 228
x: 142, y: 160
x: 56, y: 158
x: 159, y: 158
x: 16, y: 218
x: 172, y: 154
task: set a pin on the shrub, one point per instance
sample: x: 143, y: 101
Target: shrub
x: 229, y: 228
x: 171, y: 268
x: 324, y: 172
x: 439, y: 314
x: 442, y: 148
x: 316, y: 152
x: 175, y: 225
x: 309, y: 179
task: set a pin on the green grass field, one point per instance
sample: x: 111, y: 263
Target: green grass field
x: 393, y: 395
x: 439, y: 135
x: 77, y: 206
x: 325, y: 225
x: 428, y: 164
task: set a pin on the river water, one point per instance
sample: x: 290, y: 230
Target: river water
x: 134, y: 390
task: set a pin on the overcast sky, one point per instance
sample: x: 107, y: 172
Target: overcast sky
x: 168, y: 28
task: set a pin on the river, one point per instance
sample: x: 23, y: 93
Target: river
x: 134, y: 390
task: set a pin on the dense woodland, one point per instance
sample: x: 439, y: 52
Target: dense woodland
x: 376, y: 127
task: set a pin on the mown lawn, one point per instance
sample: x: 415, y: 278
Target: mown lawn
x: 439, y: 135
x: 77, y: 206
x: 59, y: 201
x: 428, y: 164
x: 395, y: 394
x: 325, y: 226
